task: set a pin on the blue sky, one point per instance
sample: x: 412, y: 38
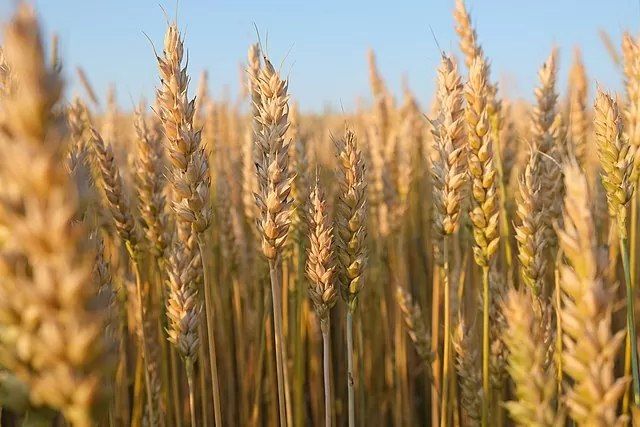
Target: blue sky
x: 324, y: 42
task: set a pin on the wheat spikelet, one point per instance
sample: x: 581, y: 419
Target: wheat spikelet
x: 467, y: 362
x: 190, y: 169
x: 448, y: 132
x: 183, y: 305
x: 320, y: 267
x: 85, y: 171
x: 274, y: 178
x: 546, y: 138
x: 414, y: 324
x: 351, y: 218
x: 578, y: 116
x: 150, y: 185
x: 544, y: 112
x: 531, y: 232
x: 113, y: 187
x: 52, y: 330
x: 589, y: 347
x: 616, y: 158
x: 484, y: 213
x: 497, y: 319
x: 533, y: 376
x: 468, y: 38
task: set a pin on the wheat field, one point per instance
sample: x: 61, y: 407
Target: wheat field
x: 212, y: 262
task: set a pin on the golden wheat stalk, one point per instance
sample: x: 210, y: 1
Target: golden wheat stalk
x: 273, y: 198
x: 53, y: 331
x: 190, y: 179
x: 351, y: 220
x: 320, y: 270
x: 590, y: 348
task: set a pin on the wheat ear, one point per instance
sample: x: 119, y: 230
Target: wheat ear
x: 589, y: 349
x: 53, y: 330
x: 532, y: 375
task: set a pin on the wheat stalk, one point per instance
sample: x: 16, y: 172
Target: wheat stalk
x: 190, y: 179
x: 321, y: 271
x: 351, y: 219
x: 484, y: 211
x: 589, y: 348
x: 273, y: 198
x: 616, y: 160
x: 53, y: 338
x: 449, y: 176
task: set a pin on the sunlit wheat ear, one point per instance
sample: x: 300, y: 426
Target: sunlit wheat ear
x: 547, y: 138
x: 531, y: 231
x: 113, y: 187
x: 467, y: 365
x: 468, y: 38
x: 484, y: 209
x: 320, y: 266
x: 351, y: 218
x: 53, y: 328
x: 498, y: 362
x: 578, y: 111
x: 189, y: 165
x: 616, y: 158
x: 415, y: 327
x: 150, y: 185
x: 589, y: 346
x: 183, y: 306
x: 631, y: 67
x: 274, y: 178
x: 448, y: 131
x: 532, y: 375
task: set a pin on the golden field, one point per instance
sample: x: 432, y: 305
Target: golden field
x: 217, y: 262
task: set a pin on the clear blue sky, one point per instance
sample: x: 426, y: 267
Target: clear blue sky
x: 325, y: 41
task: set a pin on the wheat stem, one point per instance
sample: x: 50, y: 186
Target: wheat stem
x: 486, y: 350
x: 192, y: 391
x: 143, y: 335
x: 350, y: 377
x: 631, y: 324
x: 276, y: 300
x: 327, y: 371
x: 213, y: 360
x: 435, y: 337
x: 446, y: 356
